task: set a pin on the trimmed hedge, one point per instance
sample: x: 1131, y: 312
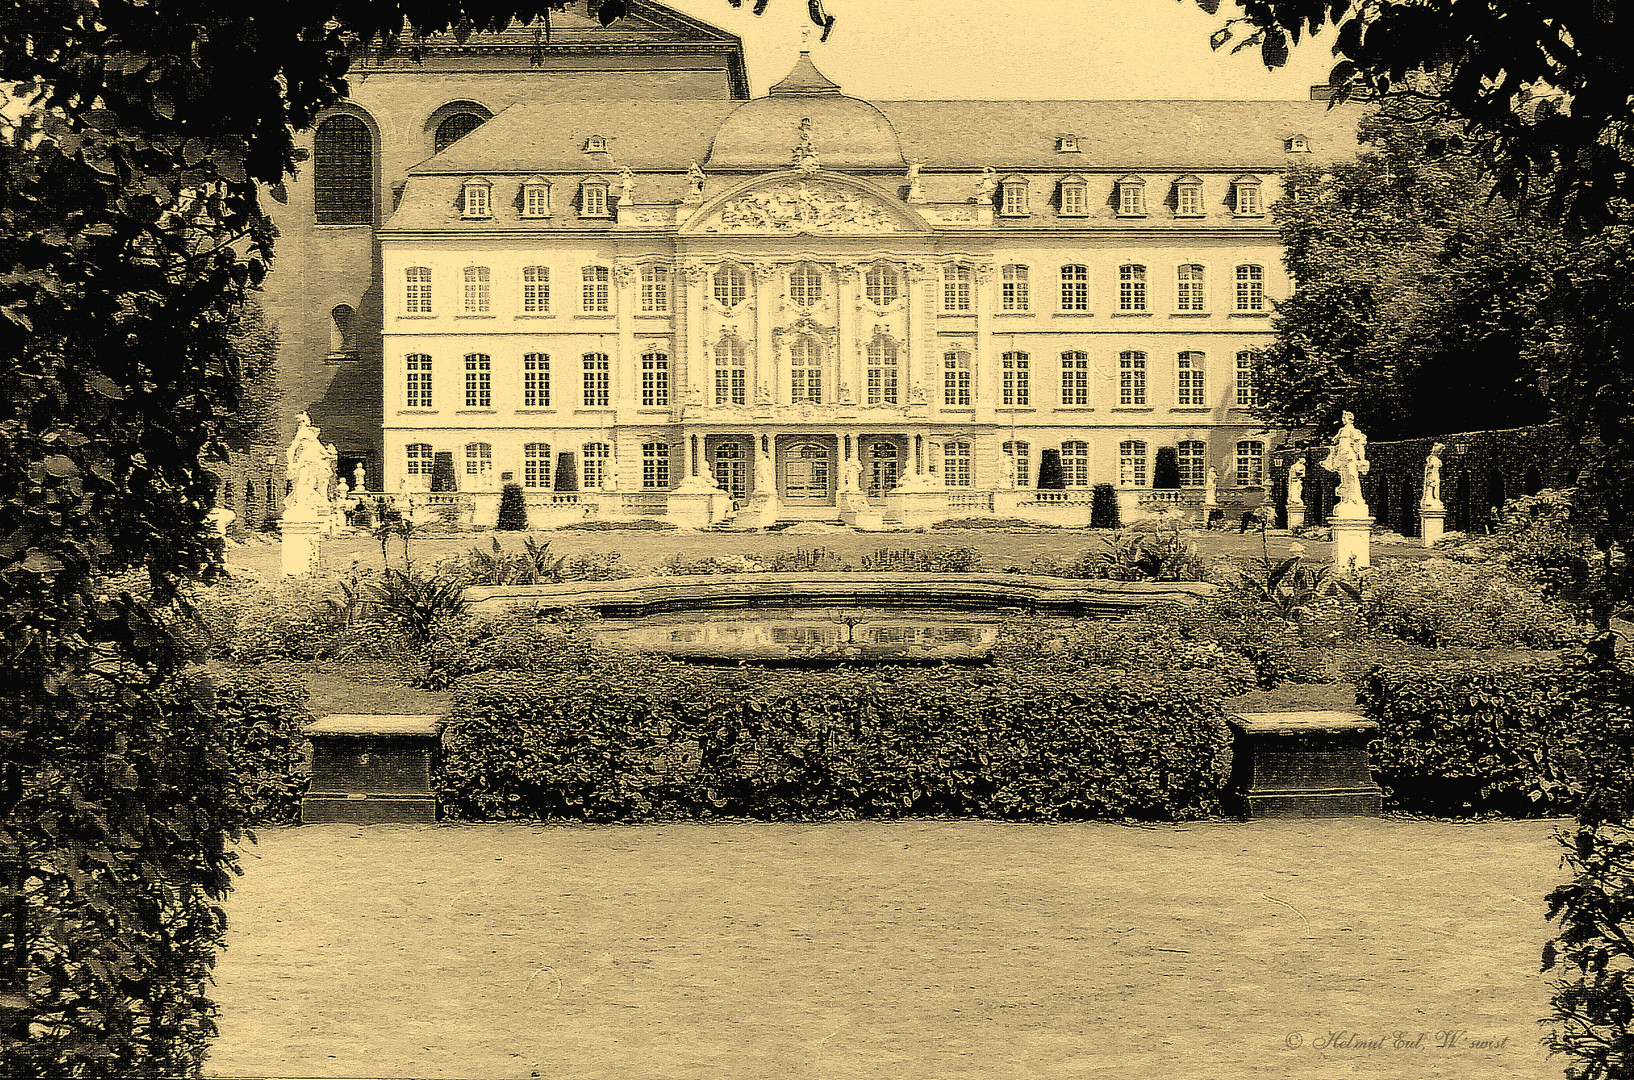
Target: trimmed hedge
x: 1461, y: 737
x: 259, y: 722
x: 669, y: 741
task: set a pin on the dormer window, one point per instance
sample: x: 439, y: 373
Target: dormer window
x: 1074, y: 197
x: 1066, y: 144
x: 1013, y: 200
x: 1246, y: 199
x: 593, y: 199
x: 595, y: 144
x: 535, y: 198
x: 477, y: 201
x: 1131, y: 197
x: 1188, y: 197
x: 1297, y: 144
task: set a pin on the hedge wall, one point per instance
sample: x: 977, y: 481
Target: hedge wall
x: 882, y: 743
x: 260, y: 721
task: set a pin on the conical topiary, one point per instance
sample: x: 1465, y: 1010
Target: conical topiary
x: 1103, y: 508
x: 1166, y: 468
x: 1049, y: 470
x: 513, y: 509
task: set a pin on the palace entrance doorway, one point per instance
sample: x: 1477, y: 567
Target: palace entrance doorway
x: 808, y: 474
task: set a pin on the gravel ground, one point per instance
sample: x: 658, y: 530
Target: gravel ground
x: 1377, y: 948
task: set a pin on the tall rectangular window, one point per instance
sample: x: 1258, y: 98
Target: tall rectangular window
x: 1075, y: 288
x: 1248, y: 200
x: 879, y: 285
x: 535, y: 200
x: 1013, y: 200
x: 1020, y: 455
x: 1189, y: 288
x: 1075, y: 463
x: 805, y: 285
x: 654, y: 290
x: 1248, y: 383
x: 1189, y: 200
x: 882, y: 371
x: 479, y: 460
x: 806, y: 370
x: 956, y: 378
x: 654, y: 379
x: 1131, y: 378
x: 536, y: 465
x: 478, y: 201
x: 1250, y: 463
x: 956, y: 464
x: 417, y: 298
x: 598, y: 291
x: 731, y: 372
x: 418, y: 388
x: 479, y: 386
x: 1016, y: 289
x: 1018, y: 389
x: 536, y: 381
x: 1132, y: 463
x: 417, y: 457
x: 1191, y: 455
x: 1250, y: 288
x: 593, y: 200
x: 476, y: 290
x: 594, y: 461
x: 655, y: 465
x: 1189, y: 379
x: 1075, y: 378
x: 597, y: 381
x: 956, y: 289
x: 1131, y: 199
x: 535, y: 290
x: 1131, y: 287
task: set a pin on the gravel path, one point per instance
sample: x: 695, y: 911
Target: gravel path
x: 922, y: 949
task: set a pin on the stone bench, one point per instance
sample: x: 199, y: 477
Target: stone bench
x: 372, y: 770
x: 1302, y: 764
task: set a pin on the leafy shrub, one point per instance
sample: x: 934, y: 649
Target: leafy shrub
x: 1593, y: 997
x: 596, y: 566
x: 942, y: 560
x: 1103, y: 508
x: 636, y: 525
x: 290, y: 619
x: 521, y: 641
x: 1159, y: 551
x: 989, y: 523
x: 1466, y: 736
x: 532, y: 565
x: 713, y: 564
x: 417, y: 601
x: 1440, y: 603
x: 1539, y: 541
x: 668, y: 740
x: 513, y: 509
x: 1135, y: 644
x: 259, y: 728
x: 808, y: 560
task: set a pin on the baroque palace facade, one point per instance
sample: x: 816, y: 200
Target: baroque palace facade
x: 819, y: 303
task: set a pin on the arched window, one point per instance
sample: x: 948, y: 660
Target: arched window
x: 1075, y: 377
x: 417, y: 290
x: 956, y: 377
x: 654, y: 290
x: 343, y: 172
x: 1250, y: 463
x: 732, y: 469
x: 806, y: 370
x: 1075, y: 463
x: 1131, y: 378
x: 1018, y: 388
x: 956, y: 463
x: 417, y: 458
x: 455, y: 128
x: 536, y: 381
x: 1022, y: 455
x: 880, y: 285
x: 479, y: 464
x: 1189, y: 287
x: 477, y: 290
x: 1131, y: 463
x: 655, y: 465
x: 731, y: 286
x: 1013, y: 197
x: 805, y: 285
x: 417, y: 389
x: 536, y: 198
x: 882, y: 371
x: 1189, y: 379
x: 598, y: 291
x: 654, y: 378
x: 477, y: 199
x: 1075, y: 287
x: 535, y: 290
x: 1017, y: 290
x: 1248, y: 201
x: 594, y: 469
x: 593, y: 199
x: 536, y: 465
x: 957, y: 289
x: 731, y: 372
x: 1250, y: 288
x: 340, y: 331
x: 1131, y: 287
x: 1192, y: 457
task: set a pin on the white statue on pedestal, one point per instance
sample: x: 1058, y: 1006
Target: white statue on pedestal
x: 1211, y: 484
x: 309, y: 469
x: 627, y: 194
x: 359, y: 478
x: 695, y: 184
x: 915, y: 194
x: 851, y: 476
x: 1296, y: 482
x: 1432, y: 480
x: 988, y: 185
x: 765, y: 474
x: 1347, y: 458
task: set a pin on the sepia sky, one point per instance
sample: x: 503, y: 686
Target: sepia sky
x: 942, y: 49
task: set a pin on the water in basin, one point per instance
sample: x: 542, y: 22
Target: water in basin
x: 811, y: 634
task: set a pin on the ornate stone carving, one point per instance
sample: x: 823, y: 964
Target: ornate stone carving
x: 310, y: 470
x: 986, y: 186
x: 695, y: 184
x: 846, y: 272
x: 626, y: 195
x: 696, y: 273
x: 915, y: 194
x: 623, y: 273
x: 917, y: 395
x: 805, y: 153
x: 761, y: 272
x: 984, y: 273
x: 802, y: 207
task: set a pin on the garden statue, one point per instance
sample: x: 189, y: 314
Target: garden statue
x: 988, y: 185
x: 627, y: 195
x: 915, y: 194
x: 1432, y: 480
x: 695, y: 184
x: 765, y: 478
x: 1211, y: 483
x: 309, y: 470
x: 1296, y: 482
x: 1347, y: 458
x: 358, y: 478
x: 851, y: 475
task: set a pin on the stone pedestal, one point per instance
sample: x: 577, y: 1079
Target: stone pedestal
x: 302, y: 546
x: 696, y: 509
x: 857, y: 513
x: 1302, y: 764
x: 1006, y: 501
x: 1352, y: 542
x: 372, y: 770
x: 1296, y: 515
x: 1434, y: 526
x: 218, y: 521
x: 916, y: 508
x: 762, y: 511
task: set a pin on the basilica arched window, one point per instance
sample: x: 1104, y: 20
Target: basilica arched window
x: 883, y: 377
x: 343, y: 172
x: 731, y: 372
x: 805, y: 285
x: 455, y: 128
x: 806, y: 370
x: 881, y: 285
x: 731, y: 286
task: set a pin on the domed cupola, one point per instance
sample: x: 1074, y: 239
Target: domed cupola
x: 806, y: 110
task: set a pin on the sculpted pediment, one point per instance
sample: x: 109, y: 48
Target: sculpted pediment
x: 814, y: 207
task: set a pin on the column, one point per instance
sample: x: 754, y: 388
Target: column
x: 692, y: 352
x: 626, y: 364
x: 919, y: 354
x: 766, y: 367
x: 846, y: 371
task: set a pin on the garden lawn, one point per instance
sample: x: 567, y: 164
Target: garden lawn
x: 918, y: 950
